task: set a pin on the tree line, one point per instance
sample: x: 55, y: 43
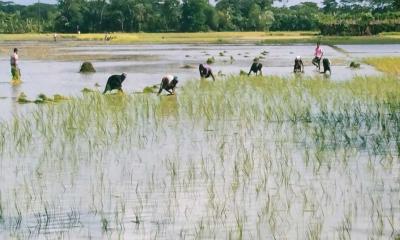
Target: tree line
x: 333, y: 17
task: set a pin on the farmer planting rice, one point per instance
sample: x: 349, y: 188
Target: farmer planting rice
x: 256, y: 67
x: 168, y: 83
x: 298, y: 65
x: 115, y: 82
x: 327, y: 66
x: 205, y: 71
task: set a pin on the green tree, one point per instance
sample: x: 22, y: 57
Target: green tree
x: 171, y: 13
x: 330, y: 6
x: 193, y: 15
x: 254, y: 17
x: 70, y: 18
x: 212, y: 18
x: 266, y: 20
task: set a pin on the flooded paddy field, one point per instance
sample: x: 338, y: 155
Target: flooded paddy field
x: 53, y: 69
x: 239, y: 158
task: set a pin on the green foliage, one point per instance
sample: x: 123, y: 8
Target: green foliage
x: 71, y: 15
x: 210, y: 60
x: 194, y: 15
x: 355, y: 65
x: 360, y: 17
x: 305, y: 16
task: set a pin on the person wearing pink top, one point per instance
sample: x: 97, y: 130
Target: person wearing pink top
x: 319, y: 53
x: 205, y: 71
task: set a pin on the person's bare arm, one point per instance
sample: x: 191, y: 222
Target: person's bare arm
x: 160, y: 90
x: 212, y: 75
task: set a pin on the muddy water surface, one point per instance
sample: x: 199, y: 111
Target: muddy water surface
x: 146, y: 64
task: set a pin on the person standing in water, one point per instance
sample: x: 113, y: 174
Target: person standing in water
x: 319, y: 53
x: 15, y: 71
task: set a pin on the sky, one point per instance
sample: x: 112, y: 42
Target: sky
x: 287, y: 2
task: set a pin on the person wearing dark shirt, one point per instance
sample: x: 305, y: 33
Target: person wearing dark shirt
x: 115, y: 82
x: 298, y: 65
x: 256, y: 67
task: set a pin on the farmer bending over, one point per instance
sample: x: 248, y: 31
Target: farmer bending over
x: 205, y: 71
x: 255, y: 67
x: 298, y: 65
x: 168, y: 83
x: 327, y: 66
x: 115, y: 82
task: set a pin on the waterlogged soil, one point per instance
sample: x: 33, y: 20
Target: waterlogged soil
x: 52, y: 68
x: 179, y: 180
x: 196, y: 180
x: 371, y: 50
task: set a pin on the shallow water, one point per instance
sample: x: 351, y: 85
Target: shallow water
x: 178, y: 176
x: 62, y: 77
x: 371, y: 50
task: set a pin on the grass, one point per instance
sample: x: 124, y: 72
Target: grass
x: 212, y: 37
x: 390, y: 65
x: 238, y: 158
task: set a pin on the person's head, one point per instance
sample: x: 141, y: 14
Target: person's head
x: 123, y: 76
x: 318, y: 43
x: 201, y: 66
x: 298, y: 58
x: 15, y: 50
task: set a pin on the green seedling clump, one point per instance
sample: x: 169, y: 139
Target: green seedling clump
x: 211, y: 60
x: 22, y: 98
x: 42, y: 98
x: 355, y: 65
x: 150, y: 89
x: 87, y: 67
x: 87, y: 90
x: 188, y: 66
x: 58, y: 98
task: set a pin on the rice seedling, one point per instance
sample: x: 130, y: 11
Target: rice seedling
x: 388, y: 65
x: 237, y: 158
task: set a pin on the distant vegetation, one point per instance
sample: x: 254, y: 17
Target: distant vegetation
x: 342, y: 17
